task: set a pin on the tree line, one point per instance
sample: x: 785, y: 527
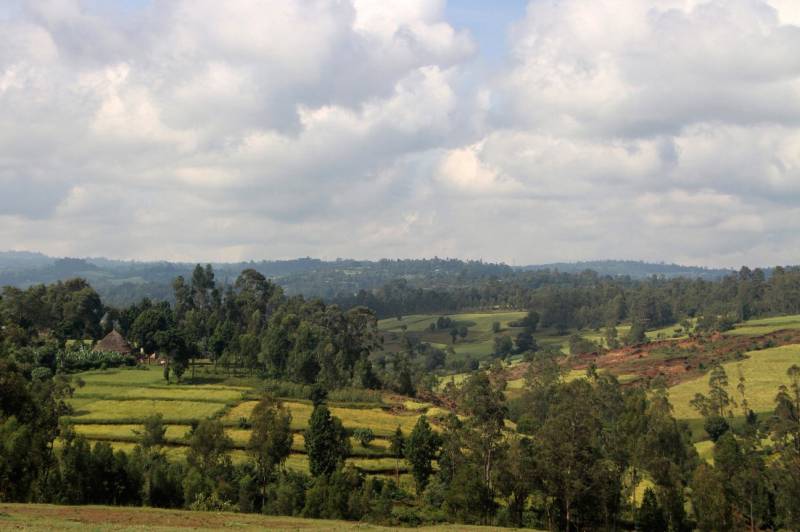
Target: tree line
x: 588, y: 300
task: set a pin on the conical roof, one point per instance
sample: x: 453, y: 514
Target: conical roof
x: 114, y: 342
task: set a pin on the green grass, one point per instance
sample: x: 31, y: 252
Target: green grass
x: 127, y: 432
x: 416, y: 406
x: 382, y: 422
x: 136, y: 410
x: 766, y: 325
x: 125, y: 377
x: 46, y: 517
x: 184, y: 392
x: 478, y: 344
x: 764, y: 371
x: 480, y: 321
x: 706, y: 450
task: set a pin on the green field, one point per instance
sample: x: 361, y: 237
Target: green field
x: 111, y: 406
x: 382, y: 422
x: 478, y: 344
x: 135, y: 410
x: 101, y: 518
x: 763, y: 371
x: 766, y: 325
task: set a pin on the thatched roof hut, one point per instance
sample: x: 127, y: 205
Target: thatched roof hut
x: 114, y: 342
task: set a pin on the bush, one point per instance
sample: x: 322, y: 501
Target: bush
x: 41, y: 374
x: 83, y: 359
x: 715, y: 427
x: 364, y: 436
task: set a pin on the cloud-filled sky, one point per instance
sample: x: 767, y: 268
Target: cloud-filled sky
x: 555, y: 130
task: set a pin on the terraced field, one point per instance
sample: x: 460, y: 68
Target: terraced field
x: 111, y: 406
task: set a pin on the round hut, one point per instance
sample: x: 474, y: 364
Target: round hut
x: 114, y: 342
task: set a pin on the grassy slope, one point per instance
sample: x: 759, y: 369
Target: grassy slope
x: 479, y: 342
x: 51, y: 517
x: 763, y: 371
x: 766, y: 325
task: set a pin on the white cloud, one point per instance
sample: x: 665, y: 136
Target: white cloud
x: 653, y: 129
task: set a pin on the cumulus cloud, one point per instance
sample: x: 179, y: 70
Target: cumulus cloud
x: 199, y: 130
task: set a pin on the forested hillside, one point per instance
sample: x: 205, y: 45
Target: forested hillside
x: 121, y: 283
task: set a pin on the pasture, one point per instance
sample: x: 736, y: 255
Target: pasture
x: 765, y: 325
x: 478, y: 344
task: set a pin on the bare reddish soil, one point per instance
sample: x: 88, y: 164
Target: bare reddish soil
x: 674, y: 360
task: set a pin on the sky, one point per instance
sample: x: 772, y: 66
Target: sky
x: 521, y: 132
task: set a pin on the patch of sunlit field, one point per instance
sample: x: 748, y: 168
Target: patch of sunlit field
x: 241, y: 438
x: 128, y: 432
x: 125, y: 376
x: 765, y: 325
x: 764, y: 371
x: 137, y: 410
x: 705, y: 449
x: 382, y: 422
x: 197, y: 392
x: 476, y: 321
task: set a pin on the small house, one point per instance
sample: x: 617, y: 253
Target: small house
x: 114, y: 342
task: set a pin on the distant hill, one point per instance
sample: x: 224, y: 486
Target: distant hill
x: 633, y: 269
x: 123, y: 282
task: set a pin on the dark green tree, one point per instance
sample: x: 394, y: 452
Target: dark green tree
x: 326, y: 441
x: 421, y: 450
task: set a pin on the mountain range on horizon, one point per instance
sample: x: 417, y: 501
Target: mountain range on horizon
x: 13, y: 260
x: 121, y: 282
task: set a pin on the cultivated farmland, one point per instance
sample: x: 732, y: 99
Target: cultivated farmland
x: 111, y: 406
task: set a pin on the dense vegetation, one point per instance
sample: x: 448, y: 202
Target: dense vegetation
x: 560, y: 454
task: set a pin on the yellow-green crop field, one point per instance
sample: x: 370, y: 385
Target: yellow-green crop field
x: 133, y: 410
x: 111, y: 406
x: 764, y: 371
x: 766, y: 325
x: 382, y: 422
x: 167, y: 393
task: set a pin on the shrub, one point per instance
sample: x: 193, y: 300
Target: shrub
x: 83, y: 359
x: 41, y: 374
x: 716, y: 426
x: 364, y: 436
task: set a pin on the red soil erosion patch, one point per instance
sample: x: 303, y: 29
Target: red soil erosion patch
x: 675, y: 360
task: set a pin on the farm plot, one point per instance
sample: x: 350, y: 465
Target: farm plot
x: 128, y: 432
x: 377, y: 447
x: 124, y: 377
x: 112, y: 405
x: 136, y: 410
x: 383, y: 423
x: 763, y: 371
x: 765, y: 325
x: 168, y: 393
